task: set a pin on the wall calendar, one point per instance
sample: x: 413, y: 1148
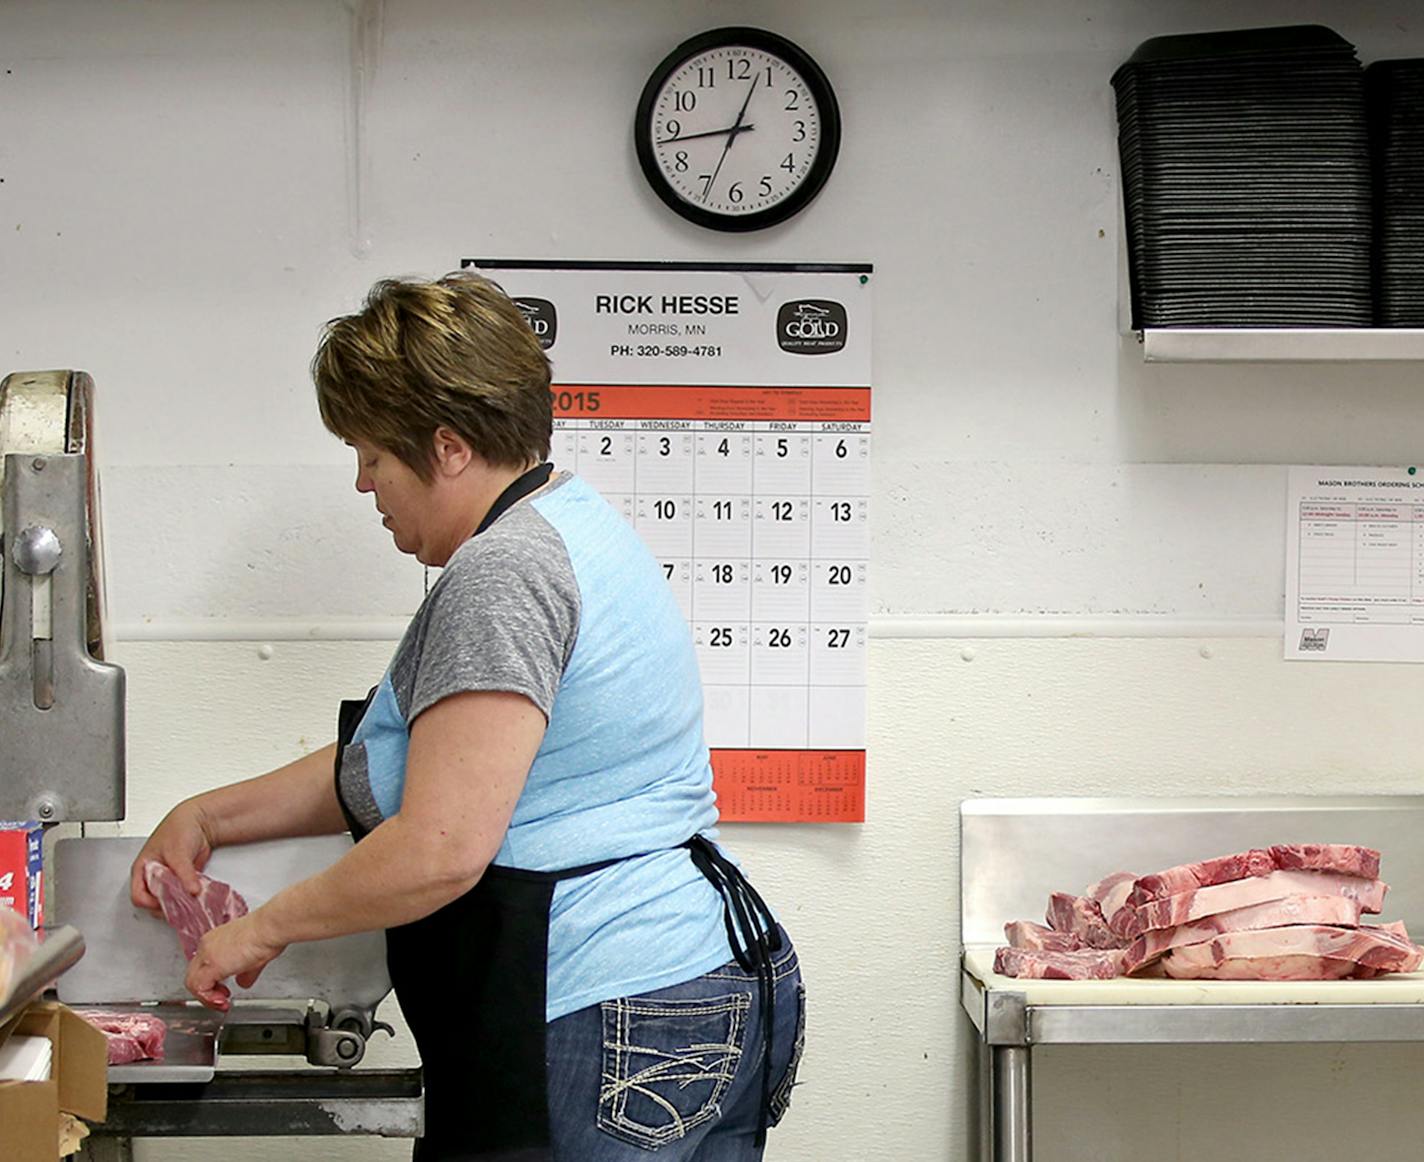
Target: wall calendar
x: 725, y: 409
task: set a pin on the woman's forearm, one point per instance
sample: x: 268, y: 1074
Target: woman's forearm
x: 468, y: 759
x: 394, y: 876
x: 297, y: 799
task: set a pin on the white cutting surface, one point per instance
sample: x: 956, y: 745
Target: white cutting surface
x: 1398, y: 989
x: 132, y: 957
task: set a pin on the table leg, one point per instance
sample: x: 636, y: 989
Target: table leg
x: 1008, y: 1107
x: 985, y: 1074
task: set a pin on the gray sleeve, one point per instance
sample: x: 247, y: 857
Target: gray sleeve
x: 503, y: 616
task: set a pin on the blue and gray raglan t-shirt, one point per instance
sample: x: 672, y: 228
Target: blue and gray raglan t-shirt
x: 559, y: 600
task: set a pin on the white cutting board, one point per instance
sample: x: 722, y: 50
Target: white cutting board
x: 133, y: 957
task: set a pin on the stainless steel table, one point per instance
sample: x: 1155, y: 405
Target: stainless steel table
x: 266, y: 1103
x: 1014, y: 852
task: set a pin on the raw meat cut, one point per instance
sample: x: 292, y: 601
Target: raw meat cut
x: 191, y: 916
x: 1040, y: 964
x: 1111, y: 894
x: 1394, y: 928
x: 131, y: 1036
x: 1193, y: 905
x: 1343, y: 858
x: 1299, y: 952
x: 1275, y: 968
x: 1336, y: 910
x: 1027, y: 934
x: 1223, y: 869
x: 1082, y: 918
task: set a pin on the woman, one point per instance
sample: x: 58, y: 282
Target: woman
x: 528, y: 785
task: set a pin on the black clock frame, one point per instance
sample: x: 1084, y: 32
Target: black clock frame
x: 821, y: 92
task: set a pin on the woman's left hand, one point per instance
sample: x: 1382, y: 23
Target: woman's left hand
x: 238, y: 948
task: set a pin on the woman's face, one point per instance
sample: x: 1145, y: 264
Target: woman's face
x: 402, y: 498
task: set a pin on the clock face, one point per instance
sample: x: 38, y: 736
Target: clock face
x: 737, y: 129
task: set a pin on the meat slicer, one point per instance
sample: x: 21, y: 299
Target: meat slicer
x: 61, y: 703
x: 62, y: 762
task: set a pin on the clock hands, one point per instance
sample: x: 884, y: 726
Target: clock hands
x: 737, y: 127
x: 709, y: 133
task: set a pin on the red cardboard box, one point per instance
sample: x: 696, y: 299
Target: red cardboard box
x: 21, y: 870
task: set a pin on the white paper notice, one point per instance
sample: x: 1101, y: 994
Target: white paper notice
x: 1355, y: 565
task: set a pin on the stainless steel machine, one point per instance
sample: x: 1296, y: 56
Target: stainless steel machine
x: 61, y: 703
x: 62, y: 762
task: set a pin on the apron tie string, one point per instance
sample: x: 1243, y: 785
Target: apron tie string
x: 753, y: 934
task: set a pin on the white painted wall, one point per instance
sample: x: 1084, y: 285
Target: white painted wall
x: 190, y: 188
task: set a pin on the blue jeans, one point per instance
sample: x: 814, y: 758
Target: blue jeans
x: 676, y: 1072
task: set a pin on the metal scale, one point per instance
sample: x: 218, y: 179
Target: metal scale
x: 62, y: 761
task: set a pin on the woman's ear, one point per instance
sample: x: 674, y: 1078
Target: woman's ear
x: 453, y: 453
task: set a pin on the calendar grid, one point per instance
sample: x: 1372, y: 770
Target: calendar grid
x: 760, y: 524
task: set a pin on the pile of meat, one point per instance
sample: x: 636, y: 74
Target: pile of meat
x: 131, y: 1036
x: 1289, y: 912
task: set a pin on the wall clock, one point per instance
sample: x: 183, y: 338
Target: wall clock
x: 737, y: 129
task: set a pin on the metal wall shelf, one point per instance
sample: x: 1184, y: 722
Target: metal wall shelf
x: 1281, y: 345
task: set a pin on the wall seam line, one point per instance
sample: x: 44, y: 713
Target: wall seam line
x: 948, y: 626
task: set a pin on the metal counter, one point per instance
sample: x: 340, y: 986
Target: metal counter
x: 1015, y: 852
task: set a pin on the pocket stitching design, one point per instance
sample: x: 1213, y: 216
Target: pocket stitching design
x: 613, y: 1117
x: 781, y: 1096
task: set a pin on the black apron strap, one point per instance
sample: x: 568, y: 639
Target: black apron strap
x: 754, y: 936
x: 348, y: 718
x: 531, y: 481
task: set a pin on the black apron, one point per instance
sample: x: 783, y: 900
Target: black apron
x: 472, y: 979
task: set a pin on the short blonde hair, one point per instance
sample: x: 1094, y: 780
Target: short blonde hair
x: 456, y: 352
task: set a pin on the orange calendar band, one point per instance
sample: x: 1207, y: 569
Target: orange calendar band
x: 583, y: 401
x: 789, y: 786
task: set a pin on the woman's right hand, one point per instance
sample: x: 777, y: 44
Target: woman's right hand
x: 183, y: 841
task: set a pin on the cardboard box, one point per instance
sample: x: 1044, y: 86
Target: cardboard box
x: 22, y: 870
x: 78, y: 1084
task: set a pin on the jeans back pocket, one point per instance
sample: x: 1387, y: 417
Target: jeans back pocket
x: 667, y: 1064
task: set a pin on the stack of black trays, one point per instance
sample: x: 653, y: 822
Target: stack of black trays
x: 1396, y: 104
x: 1246, y: 180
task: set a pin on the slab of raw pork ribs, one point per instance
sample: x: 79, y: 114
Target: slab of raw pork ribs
x: 1288, y: 912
